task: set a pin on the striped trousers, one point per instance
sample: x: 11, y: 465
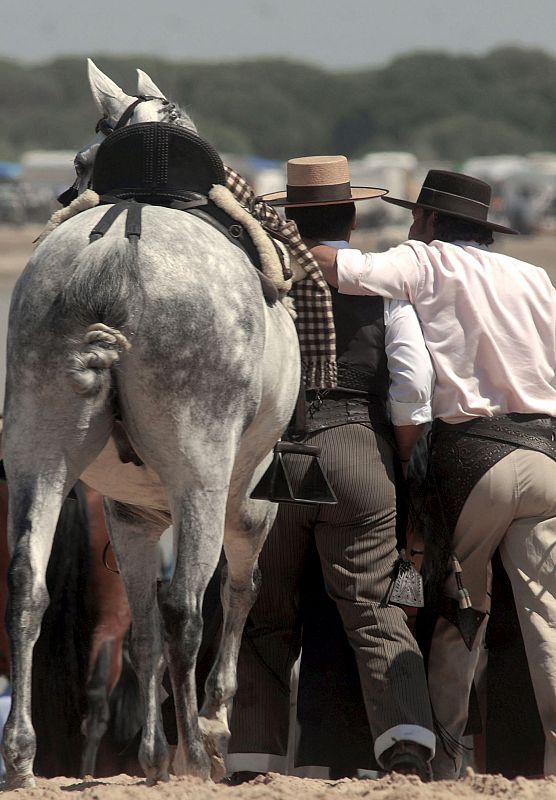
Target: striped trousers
x: 356, y: 545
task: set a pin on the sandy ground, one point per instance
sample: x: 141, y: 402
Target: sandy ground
x: 16, y: 245
x: 279, y: 787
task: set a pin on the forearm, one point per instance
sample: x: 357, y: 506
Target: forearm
x: 406, y: 436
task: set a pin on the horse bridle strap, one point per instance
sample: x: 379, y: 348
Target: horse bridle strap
x: 102, y: 125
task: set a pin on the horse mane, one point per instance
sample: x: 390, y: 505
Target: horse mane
x: 176, y: 115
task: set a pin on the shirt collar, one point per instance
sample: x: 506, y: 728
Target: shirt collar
x: 341, y: 244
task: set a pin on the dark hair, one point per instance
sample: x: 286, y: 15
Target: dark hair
x: 451, y: 229
x: 332, y: 222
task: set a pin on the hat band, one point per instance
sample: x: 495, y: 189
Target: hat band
x: 310, y: 194
x: 452, y: 203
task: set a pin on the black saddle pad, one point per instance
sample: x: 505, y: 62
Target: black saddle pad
x: 155, y: 159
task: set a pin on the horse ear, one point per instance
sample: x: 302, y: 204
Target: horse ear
x: 145, y: 85
x: 108, y: 96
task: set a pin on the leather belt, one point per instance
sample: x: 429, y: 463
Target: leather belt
x: 352, y: 378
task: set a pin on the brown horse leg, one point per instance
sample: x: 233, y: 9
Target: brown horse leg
x: 112, y: 619
x: 98, y: 710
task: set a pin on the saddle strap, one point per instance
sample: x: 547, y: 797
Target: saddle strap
x: 132, y: 223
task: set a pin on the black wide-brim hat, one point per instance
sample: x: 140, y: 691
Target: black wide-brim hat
x: 457, y: 195
x: 320, y: 181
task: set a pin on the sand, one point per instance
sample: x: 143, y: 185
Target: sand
x: 279, y: 787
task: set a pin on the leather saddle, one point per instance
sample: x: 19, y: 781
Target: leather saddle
x: 157, y: 163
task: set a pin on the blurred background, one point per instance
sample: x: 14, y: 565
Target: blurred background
x: 398, y: 87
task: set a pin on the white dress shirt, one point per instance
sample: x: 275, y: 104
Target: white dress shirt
x: 409, y: 363
x: 489, y: 322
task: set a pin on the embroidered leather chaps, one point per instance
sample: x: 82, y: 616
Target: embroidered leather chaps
x: 459, y: 456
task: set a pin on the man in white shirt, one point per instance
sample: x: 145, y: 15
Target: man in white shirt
x: 489, y: 322
x: 373, y: 417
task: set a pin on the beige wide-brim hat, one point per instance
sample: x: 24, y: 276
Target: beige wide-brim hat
x: 320, y: 181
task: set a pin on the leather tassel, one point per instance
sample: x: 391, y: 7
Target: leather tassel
x: 464, y: 599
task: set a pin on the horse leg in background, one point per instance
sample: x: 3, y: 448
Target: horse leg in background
x: 134, y: 536
x: 111, y: 622
x: 95, y: 723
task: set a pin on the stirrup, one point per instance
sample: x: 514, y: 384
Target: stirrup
x: 276, y: 486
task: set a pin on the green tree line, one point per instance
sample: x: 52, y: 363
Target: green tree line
x: 433, y: 104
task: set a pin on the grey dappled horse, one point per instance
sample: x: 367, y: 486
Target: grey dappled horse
x: 206, y: 375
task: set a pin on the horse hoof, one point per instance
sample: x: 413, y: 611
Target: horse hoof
x: 162, y: 777
x: 14, y: 781
x: 215, y: 733
x: 217, y: 768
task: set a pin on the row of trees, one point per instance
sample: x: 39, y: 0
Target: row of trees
x: 433, y: 104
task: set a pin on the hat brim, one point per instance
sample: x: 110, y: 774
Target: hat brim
x: 493, y: 226
x: 357, y: 193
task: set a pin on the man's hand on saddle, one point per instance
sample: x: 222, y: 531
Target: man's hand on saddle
x: 325, y: 257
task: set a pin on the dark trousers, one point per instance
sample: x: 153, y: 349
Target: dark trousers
x: 356, y: 545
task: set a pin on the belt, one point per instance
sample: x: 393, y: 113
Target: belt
x: 530, y: 431
x: 352, y: 378
x: 336, y: 407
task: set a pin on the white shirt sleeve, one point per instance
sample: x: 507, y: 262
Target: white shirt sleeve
x: 396, y: 274
x: 409, y: 365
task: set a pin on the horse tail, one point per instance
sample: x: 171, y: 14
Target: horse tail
x: 103, y: 293
x: 100, y: 350
x: 61, y: 655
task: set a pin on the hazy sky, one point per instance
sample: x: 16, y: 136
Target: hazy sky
x: 333, y: 33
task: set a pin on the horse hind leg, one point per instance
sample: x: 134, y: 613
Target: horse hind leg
x: 198, y: 520
x: 32, y: 521
x: 244, y: 538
